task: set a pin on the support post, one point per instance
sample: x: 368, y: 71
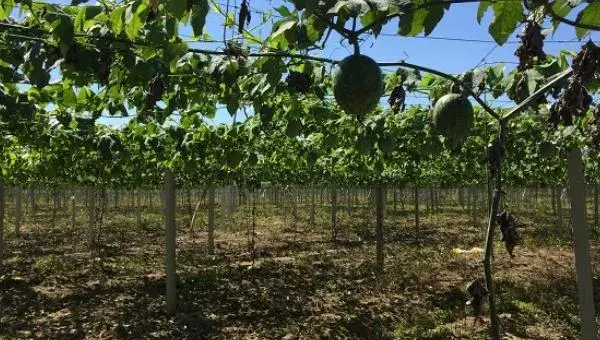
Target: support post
x: 379, y: 211
x: 211, y: 220
x: 581, y: 246
x: 18, y: 210
x: 170, y: 262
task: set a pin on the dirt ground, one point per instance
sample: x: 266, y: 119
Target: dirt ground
x: 294, y: 283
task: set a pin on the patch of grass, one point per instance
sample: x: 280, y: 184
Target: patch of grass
x: 49, y: 265
x: 524, y: 307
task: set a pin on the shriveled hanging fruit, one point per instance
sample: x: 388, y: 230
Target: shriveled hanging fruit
x: 106, y: 60
x: 397, y: 99
x: 477, y: 294
x: 587, y: 62
x: 155, y: 91
x: 494, y: 156
x: 575, y: 100
x: 236, y: 49
x: 244, y: 16
x: 508, y: 228
x: 299, y: 81
x: 531, y: 49
x: 595, y: 122
x: 152, y: 11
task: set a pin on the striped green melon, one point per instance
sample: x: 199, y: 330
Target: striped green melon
x: 453, y: 118
x: 358, y: 85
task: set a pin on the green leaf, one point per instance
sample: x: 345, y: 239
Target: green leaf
x: 281, y: 30
x: 63, y: 31
x: 116, y: 20
x: 283, y: 11
x: 78, y: 2
x: 6, y: 8
x: 483, y: 7
x: 134, y: 21
x: 176, y: 7
x: 560, y: 8
x: 353, y: 8
x: 533, y: 79
x: 433, y: 18
x: 80, y: 19
x: 198, y: 16
x: 171, y: 25
x: 69, y: 97
x: 589, y: 16
x: 507, y: 15
x: 411, y: 23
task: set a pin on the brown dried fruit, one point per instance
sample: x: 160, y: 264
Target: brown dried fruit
x: 244, y: 16
x: 495, y: 153
x: 155, y: 91
x: 587, y: 62
x: 397, y: 99
x: 574, y: 100
x: 531, y: 49
x: 477, y: 293
x: 299, y: 81
x: 595, y: 122
x: 104, y: 67
x: 508, y: 228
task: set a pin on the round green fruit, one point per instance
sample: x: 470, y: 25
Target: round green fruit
x: 358, y: 85
x: 453, y: 118
x: 547, y: 150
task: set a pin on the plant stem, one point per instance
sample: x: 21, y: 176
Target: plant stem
x: 489, y: 248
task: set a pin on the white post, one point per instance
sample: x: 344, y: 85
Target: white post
x: 18, y: 210
x: 1, y: 219
x: 170, y: 263
x: 211, y: 219
x: 581, y: 235
x: 222, y: 204
x: 91, y: 219
x: 73, y: 211
x: 138, y: 209
x: 379, y: 212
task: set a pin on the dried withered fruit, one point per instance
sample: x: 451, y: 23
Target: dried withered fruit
x: 236, y: 49
x: 532, y: 45
x: 573, y: 101
x: 154, y: 90
x: 508, y: 228
x: 299, y: 81
x: 397, y: 99
x: 104, y: 67
x: 71, y: 54
x: 587, y: 62
x: 477, y: 294
x: 595, y: 122
x: 244, y: 16
x: 495, y: 153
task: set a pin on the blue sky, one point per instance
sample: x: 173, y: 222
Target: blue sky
x: 450, y: 56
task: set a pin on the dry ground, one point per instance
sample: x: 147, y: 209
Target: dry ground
x: 299, y: 286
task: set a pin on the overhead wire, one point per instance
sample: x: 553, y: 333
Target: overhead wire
x: 257, y: 11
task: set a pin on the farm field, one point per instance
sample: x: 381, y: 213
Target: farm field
x: 299, y: 169
x: 293, y: 283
